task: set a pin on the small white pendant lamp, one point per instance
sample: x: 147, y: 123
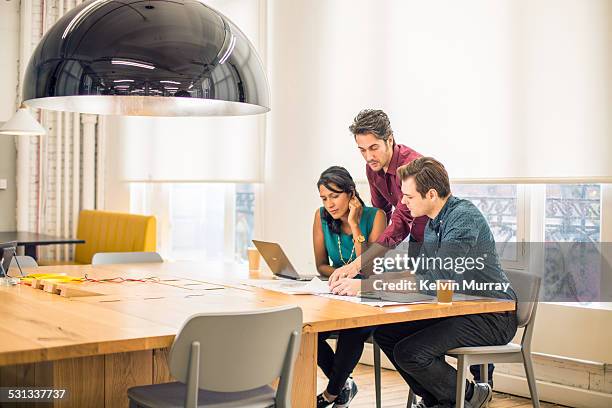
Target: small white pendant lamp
x: 22, y: 123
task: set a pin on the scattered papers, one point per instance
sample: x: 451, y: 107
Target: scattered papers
x: 320, y: 288
x: 290, y: 287
x: 316, y: 286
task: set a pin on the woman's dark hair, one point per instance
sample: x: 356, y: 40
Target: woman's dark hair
x: 342, y: 182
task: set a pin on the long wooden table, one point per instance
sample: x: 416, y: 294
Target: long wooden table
x: 99, y: 339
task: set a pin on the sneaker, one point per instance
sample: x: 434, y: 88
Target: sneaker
x: 482, y: 395
x: 347, y: 394
x: 421, y: 404
x: 322, y: 402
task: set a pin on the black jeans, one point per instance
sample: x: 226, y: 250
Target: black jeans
x: 475, y: 370
x: 337, y: 367
x: 417, y: 349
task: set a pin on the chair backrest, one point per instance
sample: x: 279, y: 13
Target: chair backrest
x: 105, y: 258
x: 239, y: 351
x: 24, y: 262
x: 527, y: 289
x: 105, y: 231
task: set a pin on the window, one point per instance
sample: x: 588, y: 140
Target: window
x: 500, y: 204
x: 245, y: 220
x: 573, y: 213
x: 566, y: 217
x: 199, y: 221
x: 572, y: 231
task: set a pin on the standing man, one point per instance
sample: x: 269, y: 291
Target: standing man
x: 374, y: 137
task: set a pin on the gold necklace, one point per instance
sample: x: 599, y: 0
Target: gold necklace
x: 340, y: 252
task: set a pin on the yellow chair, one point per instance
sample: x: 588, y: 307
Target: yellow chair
x: 105, y: 231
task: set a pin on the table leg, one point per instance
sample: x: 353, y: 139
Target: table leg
x: 305, y: 373
x: 123, y: 371
x: 83, y: 378
x: 30, y: 250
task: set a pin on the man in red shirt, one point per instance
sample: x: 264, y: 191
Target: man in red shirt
x: 374, y: 137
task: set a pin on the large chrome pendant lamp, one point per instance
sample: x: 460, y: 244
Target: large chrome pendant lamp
x: 146, y: 58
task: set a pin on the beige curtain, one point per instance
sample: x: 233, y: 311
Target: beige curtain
x: 65, y: 166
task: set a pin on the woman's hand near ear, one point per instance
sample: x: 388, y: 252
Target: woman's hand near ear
x: 355, y: 210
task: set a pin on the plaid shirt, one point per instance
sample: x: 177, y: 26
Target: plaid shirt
x: 460, y: 232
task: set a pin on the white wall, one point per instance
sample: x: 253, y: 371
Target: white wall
x: 306, y: 132
x: 583, y: 334
x: 9, y: 43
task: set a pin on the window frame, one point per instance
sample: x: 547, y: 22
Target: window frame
x: 522, y: 218
x: 605, y: 232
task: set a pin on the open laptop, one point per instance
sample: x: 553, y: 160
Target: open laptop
x: 7, y: 251
x: 278, y: 262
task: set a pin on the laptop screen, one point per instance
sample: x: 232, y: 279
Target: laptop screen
x: 276, y: 259
x: 7, y: 251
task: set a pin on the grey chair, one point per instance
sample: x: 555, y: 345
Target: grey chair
x: 229, y: 360
x: 527, y: 289
x: 106, y: 258
x: 411, y: 399
x: 377, y: 371
x: 23, y: 261
x: 377, y: 378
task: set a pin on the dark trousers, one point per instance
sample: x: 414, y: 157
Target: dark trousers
x: 475, y: 370
x: 417, y: 349
x: 338, y: 366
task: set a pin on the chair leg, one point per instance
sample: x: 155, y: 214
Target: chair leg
x: 377, y: 373
x: 484, y: 373
x: 411, y: 399
x: 531, y: 380
x: 461, y: 374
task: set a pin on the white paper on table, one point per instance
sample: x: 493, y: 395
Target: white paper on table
x: 371, y: 302
x: 313, y: 287
x: 290, y: 287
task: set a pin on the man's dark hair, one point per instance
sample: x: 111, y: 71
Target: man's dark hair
x: 428, y: 174
x: 372, y: 121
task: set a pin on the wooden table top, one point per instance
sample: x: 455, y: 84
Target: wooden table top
x: 105, y: 318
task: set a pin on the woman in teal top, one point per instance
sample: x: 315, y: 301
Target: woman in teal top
x: 340, y: 247
x: 342, y: 229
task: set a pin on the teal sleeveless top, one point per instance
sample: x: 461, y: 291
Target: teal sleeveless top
x: 346, y: 241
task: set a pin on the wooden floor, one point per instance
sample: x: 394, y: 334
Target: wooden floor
x: 395, y: 391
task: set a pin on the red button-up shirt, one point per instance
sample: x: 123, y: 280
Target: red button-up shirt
x: 386, y: 191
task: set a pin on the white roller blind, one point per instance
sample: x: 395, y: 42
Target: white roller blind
x: 495, y: 89
x: 566, y: 81
x: 191, y: 149
x: 215, y: 149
